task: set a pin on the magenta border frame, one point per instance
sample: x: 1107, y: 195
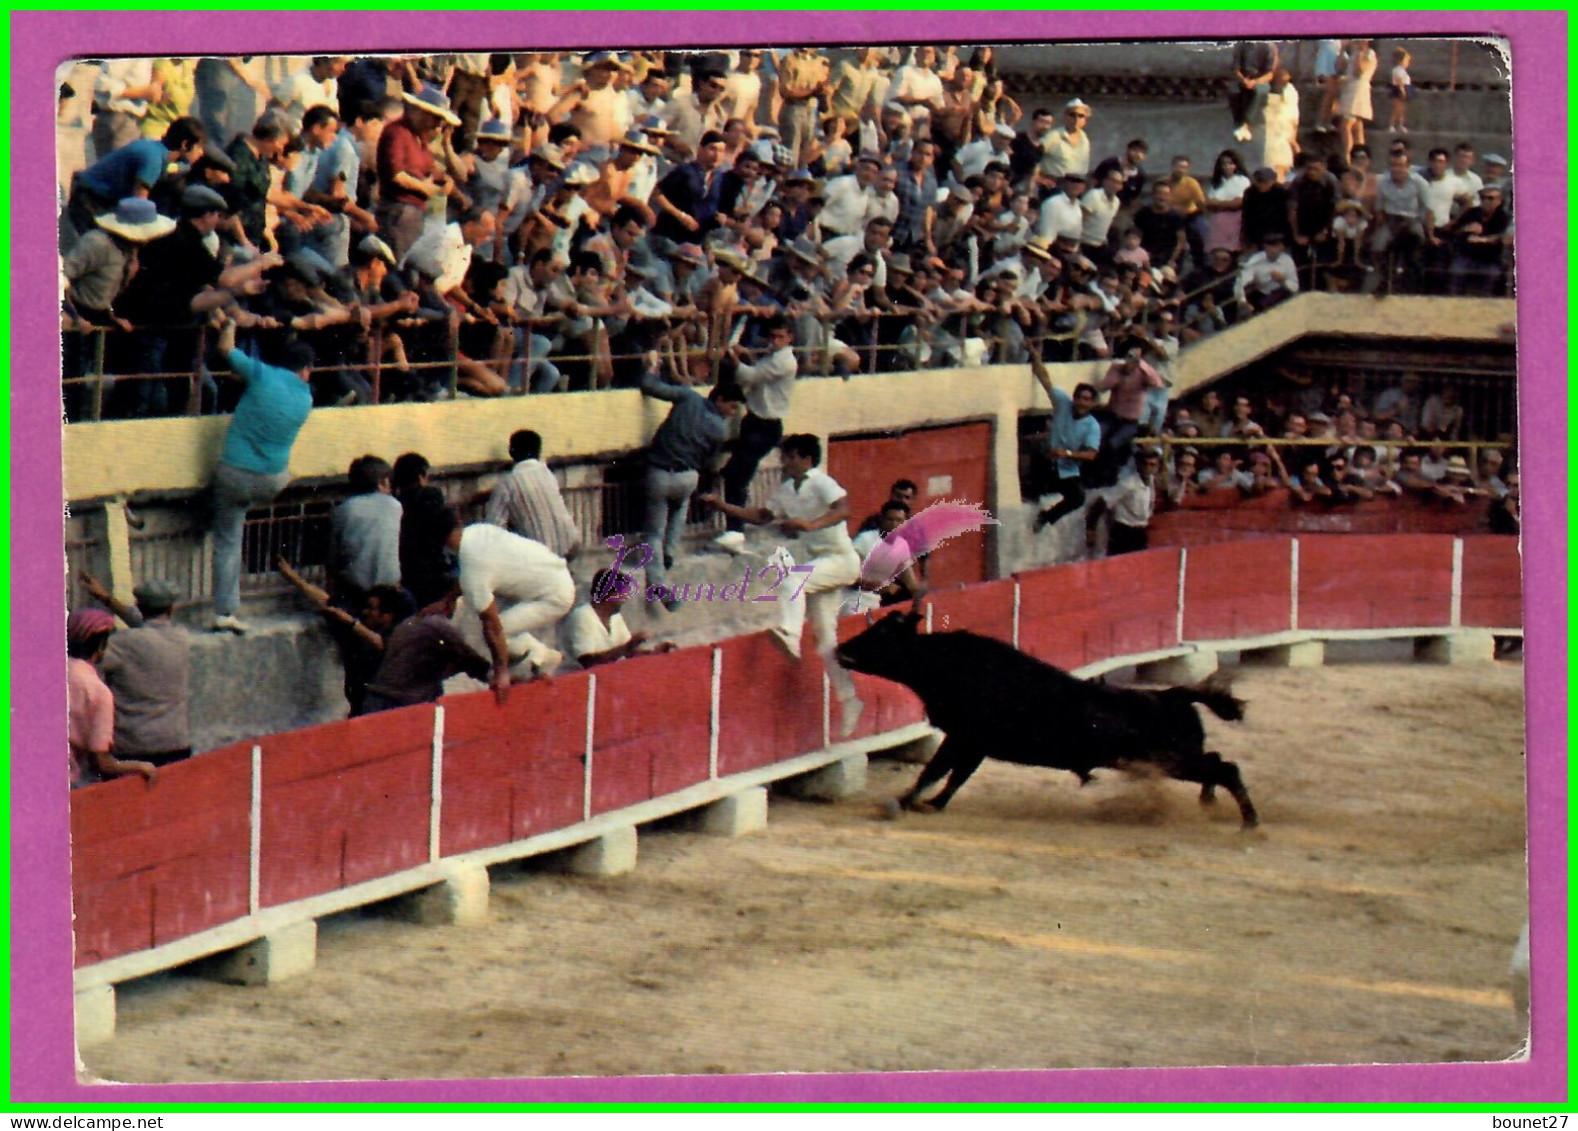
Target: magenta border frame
x: 42, y: 1058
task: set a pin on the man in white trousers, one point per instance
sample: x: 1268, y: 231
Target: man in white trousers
x: 513, y: 590
x: 811, y: 507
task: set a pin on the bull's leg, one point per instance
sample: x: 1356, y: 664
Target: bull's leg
x: 965, y: 763
x: 1211, y: 770
x: 935, y: 770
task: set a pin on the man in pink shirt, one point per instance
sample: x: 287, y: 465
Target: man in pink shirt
x: 1130, y: 379
x: 90, y: 706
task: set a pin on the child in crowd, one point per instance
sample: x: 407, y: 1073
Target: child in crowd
x: 1132, y: 252
x: 1352, y: 218
x: 1402, y: 91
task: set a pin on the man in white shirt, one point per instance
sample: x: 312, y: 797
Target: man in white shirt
x: 512, y: 590
x: 875, y: 240
x: 1067, y: 148
x: 1131, y: 504
x: 845, y: 199
x: 742, y: 91
x: 1269, y: 276
x: 1100, y: 207
x: 1061, y: 217
x: 769, y: 389
x: 809, y: 502
x: 918, y: 88
x: 319, y: 85
x: 971, y: 160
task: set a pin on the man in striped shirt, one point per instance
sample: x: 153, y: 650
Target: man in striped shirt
x: 527, y: 500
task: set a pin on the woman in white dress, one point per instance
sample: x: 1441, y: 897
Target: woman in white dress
x: 1353, y: 98
x: 1282, y: 125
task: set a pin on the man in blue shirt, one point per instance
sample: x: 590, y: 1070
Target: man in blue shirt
x: 1073, y: 438
x: 131, y: 170
x: 254, y: 461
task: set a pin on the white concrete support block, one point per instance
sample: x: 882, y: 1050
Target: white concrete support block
x: 1191, y: 667
x: 458, y: 900
x: 612, y: 854
x: 1303, y: 654
x: 833, y: 782
x: 1466, y: 646
x: 286, y: 953
x: 735, y: 815
x: 94, y: 1009
x: 917, y: 752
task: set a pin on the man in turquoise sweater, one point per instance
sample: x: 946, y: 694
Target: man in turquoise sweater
x: 254, y: 460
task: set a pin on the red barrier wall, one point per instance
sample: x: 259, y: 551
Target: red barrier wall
x: 888, y: 705
x: 1080, y: 614
x: 1224, y: 518
x: 151, y: 865
x: 653, y: 733
x: 987, y: 609
x: 1238, y: 589
x: 345, y: 803
x: 1357, y: 581
x: 351, y: 801
x: 961, y: 454
x: 1492, y: 582
x: 514, y: 771
x: 769, y: 707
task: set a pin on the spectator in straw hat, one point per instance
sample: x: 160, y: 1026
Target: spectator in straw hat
x: 90, y: 705
x: 148, y: 669
x: 408, y: 176
x: 102, y: 264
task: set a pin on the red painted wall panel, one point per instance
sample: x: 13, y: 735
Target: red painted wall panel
x: 1358, y: 581
x: 653, y: 729
x: 1054, y: 613
x: 866, y: 468
x: 345, y: 803
x: 152, y: 865
x: 1238, y: 589
x: 986, y: 609
x: 514, y: 771
x: 1492, y: 582
x: 1210, y: 520
x: 770, y: 707
x: 888, y: 705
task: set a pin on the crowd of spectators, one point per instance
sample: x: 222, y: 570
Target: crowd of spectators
x: 483, y: 224
x: 1289, y: 440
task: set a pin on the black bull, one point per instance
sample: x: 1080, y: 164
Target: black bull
x: 991, y: 700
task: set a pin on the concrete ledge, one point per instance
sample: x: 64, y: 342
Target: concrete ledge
x: 1191, y: 667
x: 833, y: 782
x: 742, y: 813
x: 94, y: 1012
x: 917, y: 751
x: 1302, y: 654
x: 287, y: 952
x: 612, y: 854
x: 458, y: 900
x: 1465, y: 646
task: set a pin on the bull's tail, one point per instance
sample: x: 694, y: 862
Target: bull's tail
x: 1214, y: 694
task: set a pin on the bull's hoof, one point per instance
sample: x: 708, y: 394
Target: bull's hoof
x: 922, y: 807
x: 1250, y: 826
x: 890, y: 809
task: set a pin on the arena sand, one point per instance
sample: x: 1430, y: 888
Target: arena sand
x: 1032, y: 925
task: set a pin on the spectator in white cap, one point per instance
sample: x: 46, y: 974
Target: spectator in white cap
x: 972, y: 159
x: 1066, y: 149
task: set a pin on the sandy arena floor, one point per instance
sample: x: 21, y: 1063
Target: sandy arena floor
x: 1032, y: 925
